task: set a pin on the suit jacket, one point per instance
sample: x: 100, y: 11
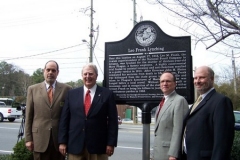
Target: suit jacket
x: 96, y: 130
x: 43, y: 117
x: 168, y: 127
x: 210, y: 129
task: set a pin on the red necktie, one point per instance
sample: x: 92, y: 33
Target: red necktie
x: 87, y: 102
x: 50, y: 94
x: 160, y: 106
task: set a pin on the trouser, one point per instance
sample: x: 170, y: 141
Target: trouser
x: 85, y: 155
x: 50, y: 154
x: 184, y: 156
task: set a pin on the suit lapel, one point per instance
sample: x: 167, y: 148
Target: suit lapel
x: 43, y: 92
x: 165, y: 108
x: 80, y: 100
x: 166, y: 105
x: 56, y: 93
x: 95, y: 107
x: 203, y: 102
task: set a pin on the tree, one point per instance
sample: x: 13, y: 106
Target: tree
x: 79, y: 83
x: 73, y: 84
x: 37, y: 76
x: 76, y: 84
x: 228, y: 90
x: 24, y: 80
x: 6, y: 71
x: 208, y: 21
x: 224, y: 84
x: 13, y: 81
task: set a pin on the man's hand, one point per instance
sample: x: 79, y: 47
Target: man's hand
x: 63, y: 149
x: 110, y: 150
x: 29, y: 145
x: 172, y: 158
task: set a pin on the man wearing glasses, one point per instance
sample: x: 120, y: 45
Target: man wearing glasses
x: 43, y: 108
x: 169, y: 120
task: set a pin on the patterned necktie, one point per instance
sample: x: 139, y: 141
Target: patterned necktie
x: 87, y: 102
x: 50, y: 94
x: 196, y: 103
x: 160, y: 106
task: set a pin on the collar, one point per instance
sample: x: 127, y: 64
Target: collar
x: 167, y: 96
x: 47, y: 85
x: 205, y: 94
x: 92, y: 90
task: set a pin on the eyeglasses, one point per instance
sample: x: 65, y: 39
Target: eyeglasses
x: 166, y: 81
x: 53, y: 70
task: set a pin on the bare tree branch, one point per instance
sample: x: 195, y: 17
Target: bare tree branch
x: 208, y: 21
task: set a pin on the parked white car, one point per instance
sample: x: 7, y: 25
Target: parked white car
x: 9, y: 113
x: 2, y: 104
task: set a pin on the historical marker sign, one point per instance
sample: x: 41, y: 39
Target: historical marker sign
x: 134, y: 64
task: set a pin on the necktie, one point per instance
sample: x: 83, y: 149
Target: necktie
x: 87, y: 102
x: 50, y: 94
x: 196, y: 103
x: 160, y: 106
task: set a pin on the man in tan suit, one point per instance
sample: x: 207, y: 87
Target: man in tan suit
x: 169, y: 120
x: 42, y: 116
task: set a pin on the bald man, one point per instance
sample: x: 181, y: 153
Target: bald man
x: 210, y: 126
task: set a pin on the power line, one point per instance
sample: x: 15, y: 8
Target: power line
x: 42, y: 53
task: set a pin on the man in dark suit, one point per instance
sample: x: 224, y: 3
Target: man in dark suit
x: 89, y: 134
x: 42, y: 116
x: 209, y: 127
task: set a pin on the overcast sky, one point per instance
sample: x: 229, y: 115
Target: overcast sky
x: 33, y: 32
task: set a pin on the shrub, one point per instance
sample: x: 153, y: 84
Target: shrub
x: 236, y: 146
x: 20, y: 152
x: 5, y: 157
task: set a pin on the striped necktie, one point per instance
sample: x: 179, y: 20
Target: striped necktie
x: 196, y: 103
x: 50, y: 94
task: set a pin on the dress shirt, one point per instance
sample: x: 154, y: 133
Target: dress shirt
x: 166, y: 98
x: 184, y: 142
x: 53, y: 85
x: 92, y: 91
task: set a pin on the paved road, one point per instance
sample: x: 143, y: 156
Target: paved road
x: 9, y: 135
x: 129, y: 140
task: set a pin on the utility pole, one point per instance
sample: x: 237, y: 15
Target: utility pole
x: 91, y: 33
x: 3, y: 90
x: 134, y: 13
x: 135, y: 120
x: 196, y: 94
x: 91, y: 43
x: 234, y: 74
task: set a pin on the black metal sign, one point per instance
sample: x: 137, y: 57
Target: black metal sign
x: 134, y: 64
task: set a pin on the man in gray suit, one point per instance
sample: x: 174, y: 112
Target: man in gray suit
x: 169, y: 120
x: 42, y: 115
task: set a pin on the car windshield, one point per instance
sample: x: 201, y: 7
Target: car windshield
x: 237, y: 117
x: 2, y: 104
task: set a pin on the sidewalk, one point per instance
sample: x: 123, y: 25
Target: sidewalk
x: 139, y: 122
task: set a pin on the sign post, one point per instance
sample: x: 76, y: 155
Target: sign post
x: 146, y: 121
x: 133, y: 66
